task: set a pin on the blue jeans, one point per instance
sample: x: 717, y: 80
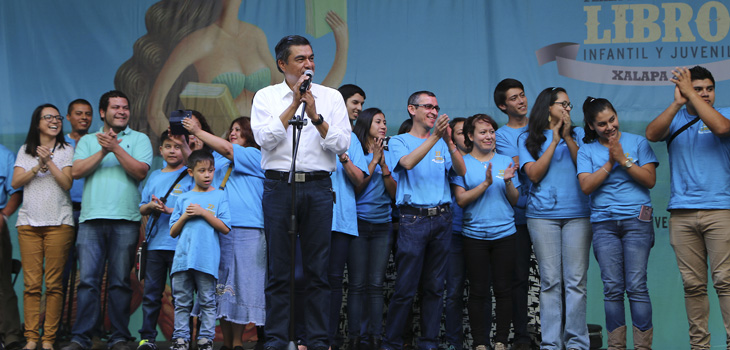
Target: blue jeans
x: 366, y: 265
x: 100, y: 241
x: 314, y: 215
x: 454, y: 309
x: 422, y: 250
x: 184, y: 284
x: 562, y: 247
x: 339, y: 248
x: 622, y: 250
x: 158, y: 267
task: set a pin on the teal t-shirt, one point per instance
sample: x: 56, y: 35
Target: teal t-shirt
x: 109, y: 192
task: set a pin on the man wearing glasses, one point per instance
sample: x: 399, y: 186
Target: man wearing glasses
x: 424, y: 157
x: 113, y: 161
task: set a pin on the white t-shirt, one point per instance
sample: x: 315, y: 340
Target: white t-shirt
x: 45, y: 203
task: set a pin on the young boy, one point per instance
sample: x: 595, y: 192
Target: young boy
x: 160, y: 246
x: 198, y: 217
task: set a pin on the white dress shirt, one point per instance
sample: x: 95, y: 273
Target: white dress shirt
x: 315, y: 153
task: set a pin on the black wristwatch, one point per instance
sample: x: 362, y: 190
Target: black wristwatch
x: 318, y: 121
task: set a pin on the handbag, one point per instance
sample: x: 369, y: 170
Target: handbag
x: 141, y: 257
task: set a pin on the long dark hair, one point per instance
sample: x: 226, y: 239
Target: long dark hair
x: 591, y: 107
x: 246, y: 132
x: 167, y: 22
x: 363, y: 124
x: 33, y: 139
x: 539, y: 120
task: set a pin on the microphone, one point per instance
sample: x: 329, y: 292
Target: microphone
x: 305, y: 84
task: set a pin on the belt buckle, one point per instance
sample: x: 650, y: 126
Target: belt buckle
x: 433, y: 211
x: 299, y: 177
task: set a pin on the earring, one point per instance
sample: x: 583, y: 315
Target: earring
x: 549, y: 118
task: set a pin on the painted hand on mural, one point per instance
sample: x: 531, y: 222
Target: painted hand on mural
x: 215, y: 47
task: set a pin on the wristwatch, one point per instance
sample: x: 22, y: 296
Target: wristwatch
x: 628, y: 164
x: 344, y: 159
x: 318, y: 121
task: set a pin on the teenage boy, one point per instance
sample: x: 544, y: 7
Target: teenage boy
x: 157, y: 203
x: 198, y: 217
x: 698, y: 144
x: 509, y: 96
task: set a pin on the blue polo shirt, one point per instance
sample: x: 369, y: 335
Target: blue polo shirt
x: 77, y: 189
x: 6, y: 175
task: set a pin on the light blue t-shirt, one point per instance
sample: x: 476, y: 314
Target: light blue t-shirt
x: 198, y: 246
x: 490, y: 216
x: 699, y: 164
x: 373, y: 203
x: 245, y: 186
x: 77, y: 189
x: 344, y: 210
x: 6, y: 175
x: 457, y: 214
x: 109, y: 192
x: 620, y: 197
x: 158, y: 183
x: 427, y: 184
x: 558, y: 194
x: 507, y: 145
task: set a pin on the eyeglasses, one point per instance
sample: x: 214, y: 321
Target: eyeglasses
x: 49, y: 117
x: 429, y: 107
x: 565, y: 104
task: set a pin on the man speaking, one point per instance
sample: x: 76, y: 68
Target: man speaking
x: 326, y: 134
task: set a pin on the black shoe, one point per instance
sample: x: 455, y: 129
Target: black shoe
x: 73, y: 346
x: 353, y: 344
x: 122, y: 345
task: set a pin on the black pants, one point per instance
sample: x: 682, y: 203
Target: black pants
x: 487, y: 261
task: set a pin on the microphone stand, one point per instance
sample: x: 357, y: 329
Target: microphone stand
x: 298, y: 122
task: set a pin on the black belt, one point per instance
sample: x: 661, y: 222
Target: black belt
x: 433, y: 211
x: 76, y: 206
x: 299, y: 176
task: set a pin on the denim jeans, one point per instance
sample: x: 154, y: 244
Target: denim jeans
x: 113, y: 242
x: 422, y: 250
x: 562, y: 247
x: 158, y: 267
x: 10, y: 321
x: 314, y: 221
x: 622, y: 250
x: 366, y: 265
x: 454, y: 308
x: 698, y: 237
x: 339, y: 247
x: 184, y: 284
x: 490, y: 263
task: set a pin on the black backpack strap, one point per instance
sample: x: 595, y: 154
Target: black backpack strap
x: 683, y: 128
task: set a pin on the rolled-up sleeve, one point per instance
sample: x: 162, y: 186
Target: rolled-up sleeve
x: 266, y: 126
x: 337, y: 140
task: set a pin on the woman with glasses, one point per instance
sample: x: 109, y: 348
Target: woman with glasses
x: 617, y: 169
x: 45, y: 221
x: 557, y: 218
x: 369, y: 251
x: 487, y: 193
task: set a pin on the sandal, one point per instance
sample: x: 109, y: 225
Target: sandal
x: 47, y: 346
x: 31, y: 345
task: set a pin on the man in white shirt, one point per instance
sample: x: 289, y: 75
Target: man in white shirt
x: 326, y: 134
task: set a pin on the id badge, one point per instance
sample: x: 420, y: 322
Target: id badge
x: 645, y: 213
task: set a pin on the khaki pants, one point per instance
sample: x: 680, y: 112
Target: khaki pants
x: 53, y: 244
x: 697, y: 235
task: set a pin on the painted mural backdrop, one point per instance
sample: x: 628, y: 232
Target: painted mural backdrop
x: 215, y: 55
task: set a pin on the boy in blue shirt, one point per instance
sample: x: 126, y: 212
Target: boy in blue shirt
x: 160, y: 246
x: 198, y: 217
